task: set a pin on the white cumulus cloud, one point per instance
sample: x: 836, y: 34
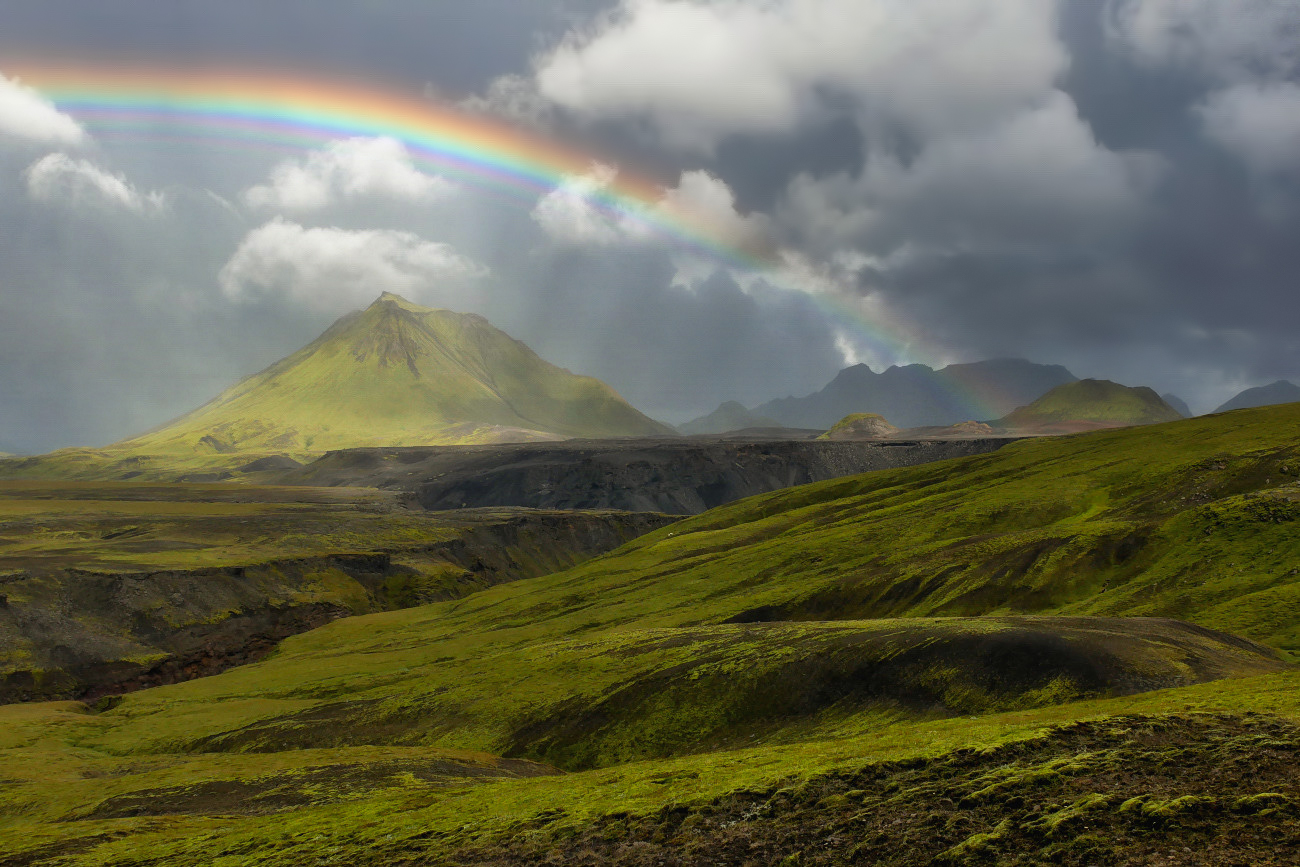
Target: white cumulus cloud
x: 700, y: 205
x: 346, y: 169
x: 24, y: 113
x: 696, y: 72
x: 569, y: 215
x: 332, y: 268
x: 60, y: 179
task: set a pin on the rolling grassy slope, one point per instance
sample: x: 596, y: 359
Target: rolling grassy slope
x: 725, y: 690
x: 1193, y: 519
x: 1134, y: 522
x: 1138, y: 765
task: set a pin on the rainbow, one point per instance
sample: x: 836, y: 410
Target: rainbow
x: 292, y: 113
x: 289, y: 113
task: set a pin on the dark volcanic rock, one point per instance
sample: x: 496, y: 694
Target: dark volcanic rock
x: 673, y: 476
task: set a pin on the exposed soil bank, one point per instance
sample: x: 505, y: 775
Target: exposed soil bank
x: 75, y: 633
x: 678, y: 476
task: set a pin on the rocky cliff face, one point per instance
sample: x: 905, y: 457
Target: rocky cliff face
x: 674, y: 476
x: 81, y: 633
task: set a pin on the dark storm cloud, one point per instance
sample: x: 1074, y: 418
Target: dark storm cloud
x: 1198, y: 295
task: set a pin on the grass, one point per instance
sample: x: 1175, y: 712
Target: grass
x: 753, y: 679
x: 58, y: 771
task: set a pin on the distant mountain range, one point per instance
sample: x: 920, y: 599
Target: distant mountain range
x: 1265, y: 395
x: 400, y: 374
x: 730, y: 416
x: 915, y: 395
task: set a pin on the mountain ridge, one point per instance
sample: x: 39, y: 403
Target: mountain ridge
x: 917, y: 395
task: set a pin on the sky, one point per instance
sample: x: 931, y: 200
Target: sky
x: 1112, y: 185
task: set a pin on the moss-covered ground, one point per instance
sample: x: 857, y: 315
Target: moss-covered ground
x: 957, y: 662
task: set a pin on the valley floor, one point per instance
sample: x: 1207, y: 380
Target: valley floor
x: 1072, y: 651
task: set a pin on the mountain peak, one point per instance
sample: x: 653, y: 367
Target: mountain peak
x: 398, y: 374
x: 395, y: 300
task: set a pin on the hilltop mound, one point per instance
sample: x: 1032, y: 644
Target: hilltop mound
x: 860, y: 426
x: 400, y: 374
x: 1088, y: 404
x: 730, y: 416
x: 1265, y: 395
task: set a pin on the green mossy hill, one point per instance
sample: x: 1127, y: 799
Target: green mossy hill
x: 399, y: 374
x: 1194, y: 520
x: 1097, y: 402
x: 860, y: 426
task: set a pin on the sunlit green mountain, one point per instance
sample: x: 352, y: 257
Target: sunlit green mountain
x: 400, y: 374
x: 1088, y: 404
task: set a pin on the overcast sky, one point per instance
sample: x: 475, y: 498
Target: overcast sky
x: 1113, y: 186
